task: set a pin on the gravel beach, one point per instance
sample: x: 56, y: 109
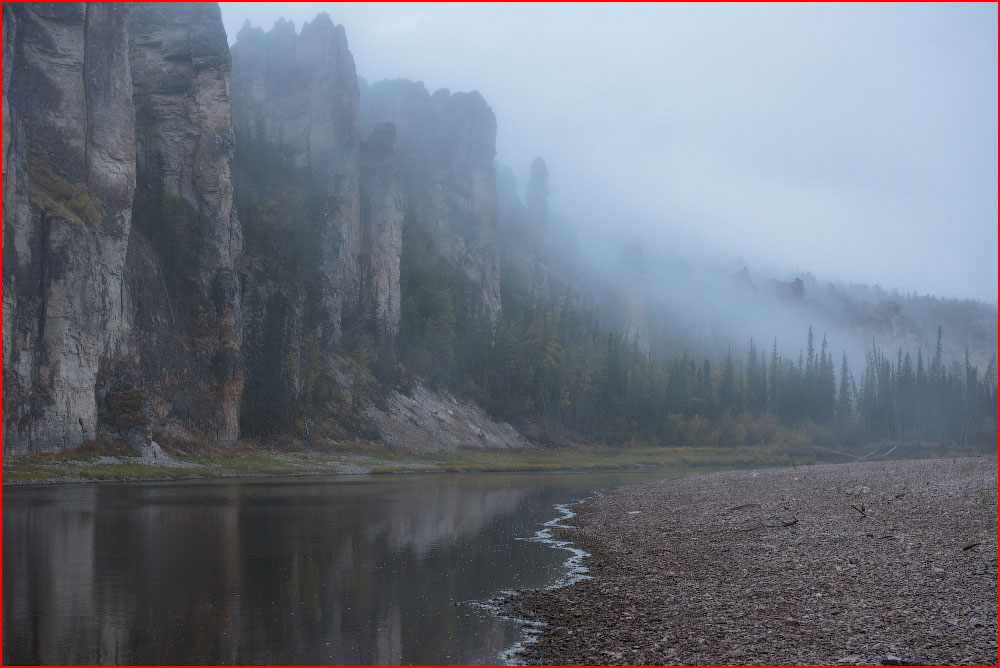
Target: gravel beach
x: 884, y: 563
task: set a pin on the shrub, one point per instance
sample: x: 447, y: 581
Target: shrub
x: 60, y: 198
x: 125, y: 410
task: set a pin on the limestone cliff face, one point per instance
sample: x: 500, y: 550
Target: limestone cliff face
x: 14, y: 193
x: 68, y: 186
x: 299, y: 93
x: 447, y: 143
x: 382, y: 220
x: 189, y: 239
x: 132, y: 301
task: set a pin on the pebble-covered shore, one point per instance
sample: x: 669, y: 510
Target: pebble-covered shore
x: 890, y: 563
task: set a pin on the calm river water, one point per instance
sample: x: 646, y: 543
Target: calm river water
x: 369, y: 570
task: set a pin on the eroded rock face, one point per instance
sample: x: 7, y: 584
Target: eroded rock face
x: 125, y: 271
x: 447, y: 143
x: 180, y: 68
x: 69, y: 174
x: 299, y: 92
x: 382, y: 220
x: 184, y: 265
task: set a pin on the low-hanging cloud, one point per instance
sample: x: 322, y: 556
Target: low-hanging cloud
x: 856, y: 142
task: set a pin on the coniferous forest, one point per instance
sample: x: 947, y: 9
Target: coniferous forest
x: 567, y: 369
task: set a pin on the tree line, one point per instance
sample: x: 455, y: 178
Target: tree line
x: 563, y: 367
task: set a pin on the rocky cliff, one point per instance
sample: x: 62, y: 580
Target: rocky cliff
x: 299, y: 94
x: 382, y: 221
x: 121, y: 244
x: 183, y: 262
x: 323, y: 214
x: 446, y: 144
x: 68, y: 186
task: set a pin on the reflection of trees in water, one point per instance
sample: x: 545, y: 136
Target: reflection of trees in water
x: 261, y: 573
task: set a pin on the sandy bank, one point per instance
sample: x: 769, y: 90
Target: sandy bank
x: 874, y: 563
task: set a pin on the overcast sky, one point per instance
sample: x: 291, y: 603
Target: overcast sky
x: 858, y: 142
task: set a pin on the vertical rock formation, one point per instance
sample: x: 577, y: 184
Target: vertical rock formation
x: 299, y: 93
x: 537, y: 194
x: 382, y: 221
x: 14, y: 195
x: 538, y: 249
x: 185, y: 265
x: 68, y: 186
x: 130, y: 302
x: 447, y: 144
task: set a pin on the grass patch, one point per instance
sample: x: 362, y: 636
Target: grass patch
x: 602, y: 458
x: 248, y: 458
x: 87, y: 451
x: 24, y: 473
x: 134, y: 471
x: 248, y: 464
x: 382, y: 470
x: 60, y: 198
x: 125, y: 410
x: 43, y: 469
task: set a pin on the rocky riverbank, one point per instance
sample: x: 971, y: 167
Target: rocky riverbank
x: 889, y: 563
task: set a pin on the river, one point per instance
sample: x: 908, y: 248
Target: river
x: 332, y: 570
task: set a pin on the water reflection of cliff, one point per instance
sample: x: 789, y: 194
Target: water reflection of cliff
x: 98, y: 574
x: 421, y: 521
x: 234, y: 572
x: 49, y: 571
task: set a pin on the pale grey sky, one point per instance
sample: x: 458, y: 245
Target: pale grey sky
x: 858, y: 142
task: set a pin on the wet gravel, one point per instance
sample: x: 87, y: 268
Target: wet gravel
x: 878, y: 563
